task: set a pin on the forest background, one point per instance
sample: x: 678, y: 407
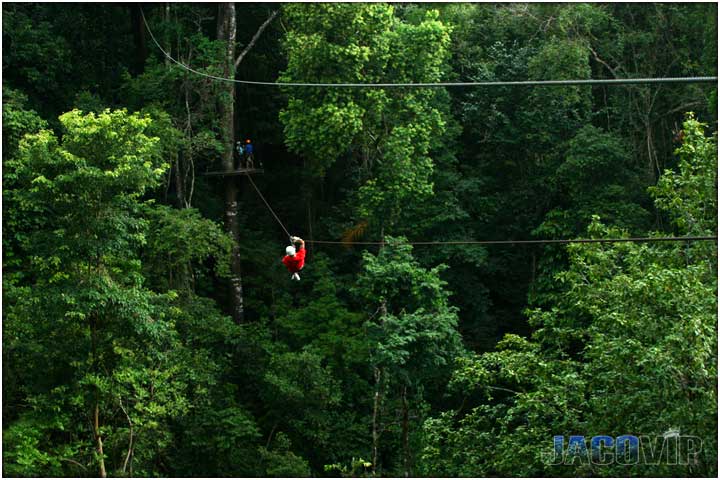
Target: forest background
x: 149, y: 328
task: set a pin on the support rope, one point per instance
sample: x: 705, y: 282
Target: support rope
x: 613, y: 81
x: 495, y: 242
x: 535, y: 242
x: 249, y: 176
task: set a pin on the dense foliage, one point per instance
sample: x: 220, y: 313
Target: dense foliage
x: 123, y: 264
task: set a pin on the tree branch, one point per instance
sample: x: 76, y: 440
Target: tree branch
x: 683, y: 107
x: 267, y: 445
x: 130, y: 443
x: 502, y: 389
x: 70, y: 460
x: 601, y: 61
x: 255, y: 37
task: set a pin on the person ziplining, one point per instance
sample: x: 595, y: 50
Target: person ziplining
x: 294, y: 260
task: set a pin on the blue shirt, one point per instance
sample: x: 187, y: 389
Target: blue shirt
x: 249, y: 148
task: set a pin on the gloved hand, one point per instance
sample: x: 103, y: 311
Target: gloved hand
x: 294, y: 239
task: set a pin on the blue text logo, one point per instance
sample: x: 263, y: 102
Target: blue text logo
x: 668, y: 449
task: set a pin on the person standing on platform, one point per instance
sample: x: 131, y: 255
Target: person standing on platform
x: 241, y: 153
x: 249, y: 157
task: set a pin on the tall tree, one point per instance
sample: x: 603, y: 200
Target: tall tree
x: 227, y: 33
x: 118, y: 351
x: 385, y: 135
x: 414, y: 339
x: 86, y: 189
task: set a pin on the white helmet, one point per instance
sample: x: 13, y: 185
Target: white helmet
x: 290, y: 250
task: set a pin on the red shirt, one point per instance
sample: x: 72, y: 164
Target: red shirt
x: 296, y: 263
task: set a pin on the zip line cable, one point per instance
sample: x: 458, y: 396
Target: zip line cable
x: 613, y: 81
x: 527, y: 242
x: 459, y: 84
x: 492, y: 242
x: 268, y: 205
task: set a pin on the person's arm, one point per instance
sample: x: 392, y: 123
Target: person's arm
x: 300, y: 241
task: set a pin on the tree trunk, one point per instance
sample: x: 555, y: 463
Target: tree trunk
x: 98, y: 440
x: 138, y: 28
x: 129, y: 456
x: 375, y: 420
x: 377, y: 400
x: 189, y: 164
x: 534, y: 268
x: 96, y: 407
x: 308, y: 201
x: 168, y: 45
x: 179, y: 181
x: 226, y: 30
x: 405, y: 433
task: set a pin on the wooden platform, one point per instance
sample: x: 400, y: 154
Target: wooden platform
x: 233, y: 173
